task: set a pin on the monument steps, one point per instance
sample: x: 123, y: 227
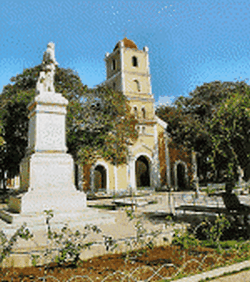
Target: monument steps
x: 37, y: 221
x: 5, y: 215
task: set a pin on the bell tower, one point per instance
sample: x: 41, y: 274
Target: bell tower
x: 127, y: 70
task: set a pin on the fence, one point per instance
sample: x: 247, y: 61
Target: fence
x: 148, y: 273
x: 153, y: 274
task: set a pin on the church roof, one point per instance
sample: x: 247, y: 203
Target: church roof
x: 127, y: 44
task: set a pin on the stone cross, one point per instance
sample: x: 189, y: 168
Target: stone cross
x: 45, y: 81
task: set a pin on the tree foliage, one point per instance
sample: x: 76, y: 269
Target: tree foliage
x: 202, y: 122
x: 98, y: 122
x: 231, y: 135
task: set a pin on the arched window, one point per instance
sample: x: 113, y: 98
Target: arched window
x: 113, y: 65
x: 134, y: 61
x: 143, y: 113
x: 137, y: 85
x: 135, y: 112
x: 143, y: 130
x: 114, y: 85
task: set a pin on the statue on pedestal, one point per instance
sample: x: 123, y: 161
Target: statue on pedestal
x: 45, y: 81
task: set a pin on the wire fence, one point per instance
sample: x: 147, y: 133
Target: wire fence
x: 164, y: 272
x: 153, y: 274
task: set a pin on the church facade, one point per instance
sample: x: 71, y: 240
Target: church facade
x: 153, y: 160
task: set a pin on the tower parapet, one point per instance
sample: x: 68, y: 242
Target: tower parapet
x: 127, y: 71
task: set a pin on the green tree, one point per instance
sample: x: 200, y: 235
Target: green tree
x: 98, y: 122
x: 193, y: 122
x: 231, y: 138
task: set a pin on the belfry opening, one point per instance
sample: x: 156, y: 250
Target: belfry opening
x: 142, y: 171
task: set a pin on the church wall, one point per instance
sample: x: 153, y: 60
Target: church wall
x: 145, y: 142
x: 179, y: 153
x: 141, y: 58
x: 142, y: 104
x: 110, y: 68
x: 119, y: 178
x: 116, y: 177
x: 122, y: 178
x: 86, y: 177
x: 115, y: 83
x: 132, y: 90
x: 110, y: 176
x: 162, y: 156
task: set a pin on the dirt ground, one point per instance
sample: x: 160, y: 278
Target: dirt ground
x: 165, y: 260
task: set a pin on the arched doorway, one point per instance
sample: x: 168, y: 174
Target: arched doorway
x: 142, y: 172
x: 181, y: 177
x: 100, y: 178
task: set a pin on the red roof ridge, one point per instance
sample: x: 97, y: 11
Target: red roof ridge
x: 127, y: 44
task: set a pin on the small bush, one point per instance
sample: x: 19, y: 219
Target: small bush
x: 7, y: 245
x: 65, y: 246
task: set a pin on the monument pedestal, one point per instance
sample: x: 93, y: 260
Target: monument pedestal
x: 47, y: 171
x: 50, y: 178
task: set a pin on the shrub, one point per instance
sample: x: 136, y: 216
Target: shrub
x: 7, y: 245
x: 65, y: 246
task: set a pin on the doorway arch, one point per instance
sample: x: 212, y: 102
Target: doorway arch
x: 181, y: 178
x: 100, y: 178
x: 142, y: 172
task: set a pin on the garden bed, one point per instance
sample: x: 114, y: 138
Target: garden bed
x: 157, y: 263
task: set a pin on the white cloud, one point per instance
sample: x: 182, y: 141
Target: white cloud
x: 165, y: 100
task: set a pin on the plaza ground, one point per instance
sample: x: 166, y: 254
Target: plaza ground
x: 154, y: 218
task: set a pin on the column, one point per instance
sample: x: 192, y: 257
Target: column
x: 156, y: 164
x: 116, y: 178
x: 167, y: 159
x: 195, y: 177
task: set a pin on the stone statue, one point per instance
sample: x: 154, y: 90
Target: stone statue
x: 45, y: 81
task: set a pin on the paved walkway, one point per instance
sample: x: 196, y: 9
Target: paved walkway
x: 119, y: 228
x: 243, y: 276
x: 124, y: 228
x: 238, y: 277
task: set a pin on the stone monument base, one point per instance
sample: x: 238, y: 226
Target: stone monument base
x: 48, y: 179
x: 36, y: 202
x: 48, y: 184
x: 37, y: 221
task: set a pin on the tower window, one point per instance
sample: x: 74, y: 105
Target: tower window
x: 134, y: 61
x: 143, y: 113
x: 135, y: 112
x: 113, y: 65
x: 137, y: 85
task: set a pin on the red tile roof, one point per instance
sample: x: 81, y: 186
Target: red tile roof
x: 127, y: 44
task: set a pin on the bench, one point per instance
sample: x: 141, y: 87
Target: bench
x: 236, y: 221
x: 206, y: 209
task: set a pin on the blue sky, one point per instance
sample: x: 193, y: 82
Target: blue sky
x: 190, y: 41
